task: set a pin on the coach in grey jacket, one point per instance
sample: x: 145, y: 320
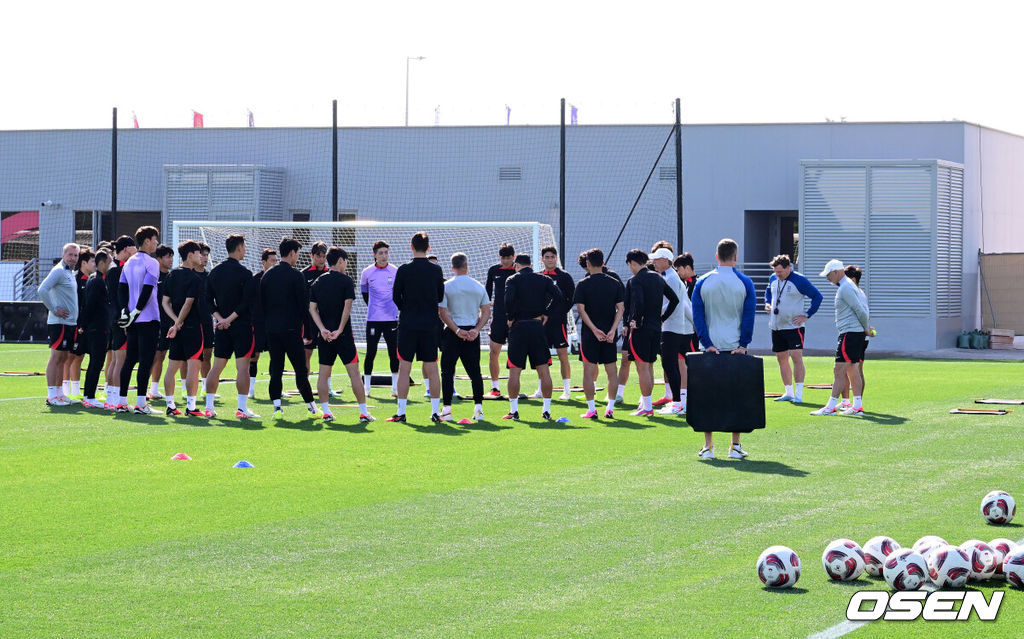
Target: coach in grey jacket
x: 852, y: 322
x: 59, y: 293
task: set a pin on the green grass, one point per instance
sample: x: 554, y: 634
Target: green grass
x: 496, y: 529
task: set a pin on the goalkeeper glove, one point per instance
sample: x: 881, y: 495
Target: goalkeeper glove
x: 128, y: 318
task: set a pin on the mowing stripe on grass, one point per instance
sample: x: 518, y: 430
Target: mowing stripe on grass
x: 846, y: 627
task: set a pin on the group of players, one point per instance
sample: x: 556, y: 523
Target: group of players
x: 125, y: 307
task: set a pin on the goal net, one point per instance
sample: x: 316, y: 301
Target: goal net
x: 478, y: 240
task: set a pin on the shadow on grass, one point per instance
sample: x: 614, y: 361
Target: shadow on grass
x: 754, y: 466
x: 785, y: 591
x: 632, y: 425
x: 307, y: 425
x: 854, y: 583
x: 553, y: 425
x: 244, y: 424
x: 1009, y: 525
x: 437, y: 429
x: 486, y: 426
x: 882, y: 418
x: 348, y: 428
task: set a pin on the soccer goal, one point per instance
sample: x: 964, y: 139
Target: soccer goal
x: 478, y: 240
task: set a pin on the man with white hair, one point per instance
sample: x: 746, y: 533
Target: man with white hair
x: 852, y: 322
x: 679, y: 323
x: 59, y: 293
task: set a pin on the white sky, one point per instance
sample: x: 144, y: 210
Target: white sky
x: 66, y: 64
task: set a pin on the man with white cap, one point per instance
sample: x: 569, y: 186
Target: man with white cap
x: 852, y: 323
x: 675, y: 326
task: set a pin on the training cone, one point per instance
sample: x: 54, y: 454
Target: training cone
x: 562, y: 420
x: 182, y: 456
x: 243, y: 464
x: 465, y: 420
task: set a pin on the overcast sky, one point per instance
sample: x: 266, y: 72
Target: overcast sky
x: 66, y: 64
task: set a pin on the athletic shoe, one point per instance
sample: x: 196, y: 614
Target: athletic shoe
x: 798, y: 399
x: 446, y: 416
x: 278, y: 414
x: 858, y: 412
x: 845, y: 404
x: 538, y: 394
x: 661, y: 401
x: 434, y: 417
x: 478, y: 415
x: 245, y: 414
x: 736, y: 452
x: 145, y: 409
x: 328, y: 417
x: 618, y: 399
x: 426, y: 394
x: 336, y: 394
x: 59, y: 400
x: 252, y: 395
x: 514, y: 416
x: 123, y: 408
x: 396, y: 418
x: 707, y: 453
x: 209, y: 413
x: 107, y: 406
x: 609, y: 414
x: 92, y: 403
x: 195, y: 412
x: 173, y: 411
x: 824, y: 410
x: 494, y: 393
x: 590, y: 414
x: 785, y: 398
x: 546, y: 416
x: 154, y: 396
x: 669, y: 409
x: 366, y: 418
x: 566, y: 395
x: 640, y: 412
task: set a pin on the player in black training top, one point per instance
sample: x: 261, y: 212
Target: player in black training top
x: 285, y: 303
x: 228, y: 285
x: 556, y: 326
x: 644, y: 293
x: 268, y: 260
x: 419, y: 288
x: 495, y: 285
x: 330, y: 306
x: 600, y: 302
x: 164, y: 255
x: 529, y: 299
x: 205, y: 309
x: 180, y: 300
x: 93, y: 316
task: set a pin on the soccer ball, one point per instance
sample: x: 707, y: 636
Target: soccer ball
x: 1001, y: 547
x: 983, y: 559
x: 905, y: 570
x: 998, y: 507
x: 778, y: 567
x: 948, y: 566
x: 925, y: 545
x: 875, y: 552
x: 843, y: 560
x: 1013, y: 567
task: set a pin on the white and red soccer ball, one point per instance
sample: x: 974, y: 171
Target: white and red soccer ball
x: 998, y: 507
x: 949, y: 567
x: 843, y: 560
x: 1001, y: 547
x: 905, y: 569
x: 983, y: 559
x: 876, y: 551
x: 1013, y: 567
x: 925, y: 545
x: 778, y: 567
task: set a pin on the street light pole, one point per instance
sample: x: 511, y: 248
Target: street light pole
x: 407, y: 59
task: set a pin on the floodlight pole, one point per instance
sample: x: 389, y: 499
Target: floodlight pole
x: 407, y: 59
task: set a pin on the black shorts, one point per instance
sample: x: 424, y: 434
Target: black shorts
x: 259, y: 334
x: 80, y: 346
x: 417, y: 344
x: 527, y: 341
x: 851, y: 347
x: 343, y: 348
x: 162, y: 341
x: 644, y: 345
x: 208, y: 334
x: 118, y: 339
x: 60, y: 337
x: 691, y: 344
x: 187, y: 344
x: 237, y: 340
x: 556, y: 332
x: 593, y: 351
x: 674, y: 346
x: 499, y: 329
x: 790, y: 339
x: 310, y: 332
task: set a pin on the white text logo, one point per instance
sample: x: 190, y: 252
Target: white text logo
x: 869, y: 605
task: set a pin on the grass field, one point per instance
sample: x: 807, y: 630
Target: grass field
x: 496, y: 529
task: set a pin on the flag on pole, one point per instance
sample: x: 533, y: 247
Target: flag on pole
x: 197, y: 120
x: 508, y: 115
x: 572, y: 116
x: 135, y: 119
x: 251, y: 122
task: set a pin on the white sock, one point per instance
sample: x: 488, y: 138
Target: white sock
x: 209, y: 401
x: 668, y: 391
x: 547, y: 404
x: 169, y: 400
x: 311, y: 407
x: 202, y: 384
x: 434, y: 401
x: 622, y: 389
x: 478, y: 408
x: 140, y: 400
x: 243, y: 402
x: 51, y: 392
x: 832, y: 401
x: 325, y: 407
x: 682, y: 396
x: 513, y: 405
x: 567, y: 384
x: 154, y: 388
x: 611, y: 404
x: 76, y: 388
x: 591, y: 404
x: 789, y: 391
x: 647, y: 405
x: 366, y: 383
x: 190, y: 402
x: 394, y: 383
x: 401, y: 406
x: 799, y: 390
x: 426, y: 384
x: 277, y: 404
x: 106, y: 391
x: 65, y: 387
x: 362, y: 409
x: 857, y: 402
x: 252, y: 385
x: 114, y: 395
x: 494, y: 385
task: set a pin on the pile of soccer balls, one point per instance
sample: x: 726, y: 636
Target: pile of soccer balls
x: 931, y: 559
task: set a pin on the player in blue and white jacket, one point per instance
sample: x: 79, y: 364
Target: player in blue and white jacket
x: 784, y: 301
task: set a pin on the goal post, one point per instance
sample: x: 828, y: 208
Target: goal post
x: 478, y: 240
